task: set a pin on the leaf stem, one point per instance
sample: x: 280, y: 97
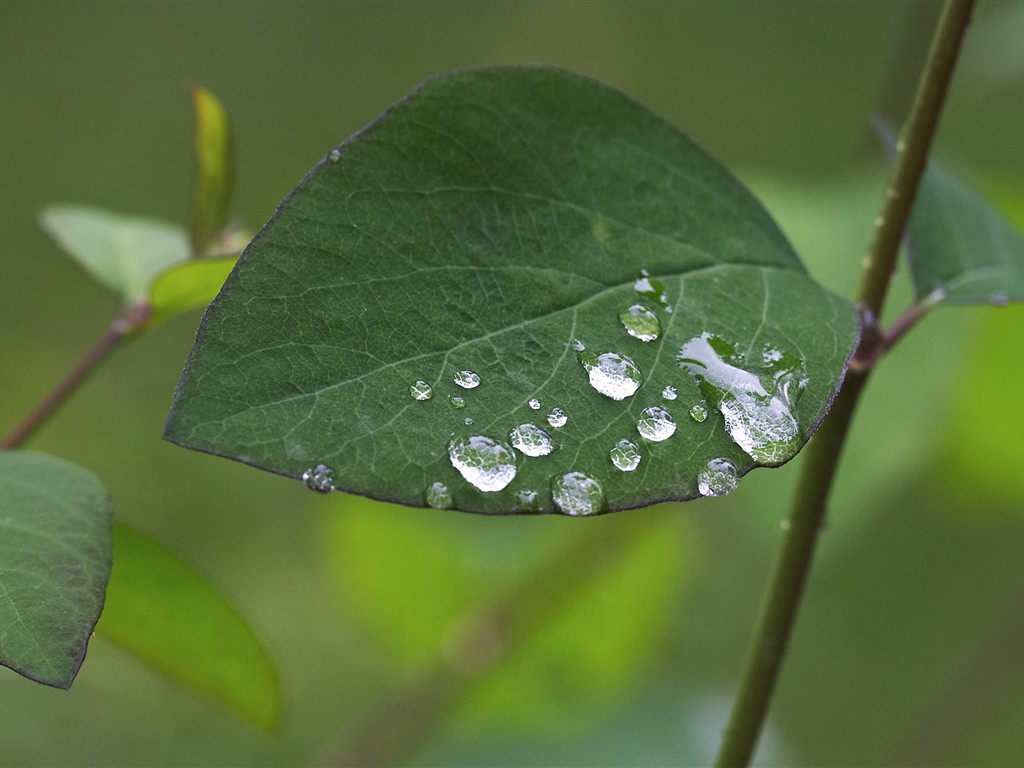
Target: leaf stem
x: 131, y: 318
x: 778, y: 612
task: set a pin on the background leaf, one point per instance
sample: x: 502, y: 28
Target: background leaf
x: 55, y: 520
x: 186, y: 286
x: 485, y: 224
x: 168, y: 615
x: 124, y: 253
x: 214, y: 173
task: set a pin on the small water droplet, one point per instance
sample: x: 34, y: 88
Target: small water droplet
x: 699, y: 412
x: 438, y: 496
x: 651, y: 288
x: 487, y: 464
x: 578, y: 345
x: 319, y: 478
x: 467, y: 421
x: 466, y: 379
x: 719, y: 478
x: 531, y: 440
x: 625, y: 455
x: 527, y: 500
x: 557, y: 418
x: 613, y: 375
x: 535, y: 403
x: 456, y: 401
x: 999, y: 300
x: 656, y: 424
x: 335, y: 155
x: 669, y: 392
x: 577, y: 494
x: 421, y: 391
x: 640, y: 322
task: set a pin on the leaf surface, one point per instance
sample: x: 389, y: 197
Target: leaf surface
x: 123, y: 253
x: 162, y: 611
x: 55, y: 550
x: 493, y: 222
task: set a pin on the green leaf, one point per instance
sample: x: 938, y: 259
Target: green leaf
x: 123, y: 253
x: 214, y: 170
x: 55, y: 549
x: 169, y: 616
x: 484, y: 224
x: 187, y: 286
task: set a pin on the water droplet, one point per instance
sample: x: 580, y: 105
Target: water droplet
x: 466, y: 379
x: 651, y: 288
x: 438, y: 496
x: 719, y: 478
x: 669, y: 392
x: 421, y: 391
x: 319, y: 478
x: 535, y: 403
x: 640, y: 322
x: 467, y: 421
x: 999, y: 299
x: 335, y: 155
x: 557, y: 418
x: 656, y: 424
x: 613, y: 375
x: 578, y: 345
x: 527, y: 500
x: 487, y: 464
x: 531, y: 440
x: 699, y: 412
x: 625, y: 455
x: 757, y: 417
x: 577, y: 494
x: 456, y: 401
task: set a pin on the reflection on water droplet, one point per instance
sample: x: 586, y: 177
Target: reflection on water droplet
x: 613, y: 375
x: 487, y: 464
x: 335, y: 155
x: 719, y: 478
x: 421, y: 391
x: 557, y: 418
x: 757, y: 417
x: 699, y: 412
x: 466, y: 379
x: 669, y: 393
x: 640, y: 322
x: 527, y: 500
x: 625, y: 455
x: 656, y: 424
x: 319, y: 478
x: 577, y: 494
x: 531, y: 440
x: 456, y: 401
x: 438, y: 496
x: 535, y: 403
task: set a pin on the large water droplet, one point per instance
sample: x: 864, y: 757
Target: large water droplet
x: 719, y: 478
x: 557, y: 418
x: 534, y: 403
x: 531, y: 440
x: 656, y: 424
x: 487, y: 464
x: 319, y: 478
x: 438, y: 496
x: 625, y: 455
x: 640, y: 322
x: 466, y: 379
x: 577, y: 494
x: 613, y: 375
x: 420, y: 390
x: 757, y: 416
x: 456, y: 401
x: 669, y: 392
x: 527, y: 500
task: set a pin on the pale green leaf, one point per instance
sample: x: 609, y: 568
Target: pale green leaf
x: 186, y: 286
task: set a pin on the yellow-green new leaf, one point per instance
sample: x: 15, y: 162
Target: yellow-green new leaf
x: 214, y: 170
x: 186, y: 286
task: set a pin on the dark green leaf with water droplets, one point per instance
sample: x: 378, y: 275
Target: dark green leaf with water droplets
x: 55, y: 552
x: 487, y: 223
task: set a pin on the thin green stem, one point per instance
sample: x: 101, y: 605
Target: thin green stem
x: 129, y: 320
x: 778, y: 612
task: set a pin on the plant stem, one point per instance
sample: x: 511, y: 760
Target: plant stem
x: 778, y: 612
x: 133, y: 317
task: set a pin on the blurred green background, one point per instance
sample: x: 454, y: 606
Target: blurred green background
x: 910, y: 644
